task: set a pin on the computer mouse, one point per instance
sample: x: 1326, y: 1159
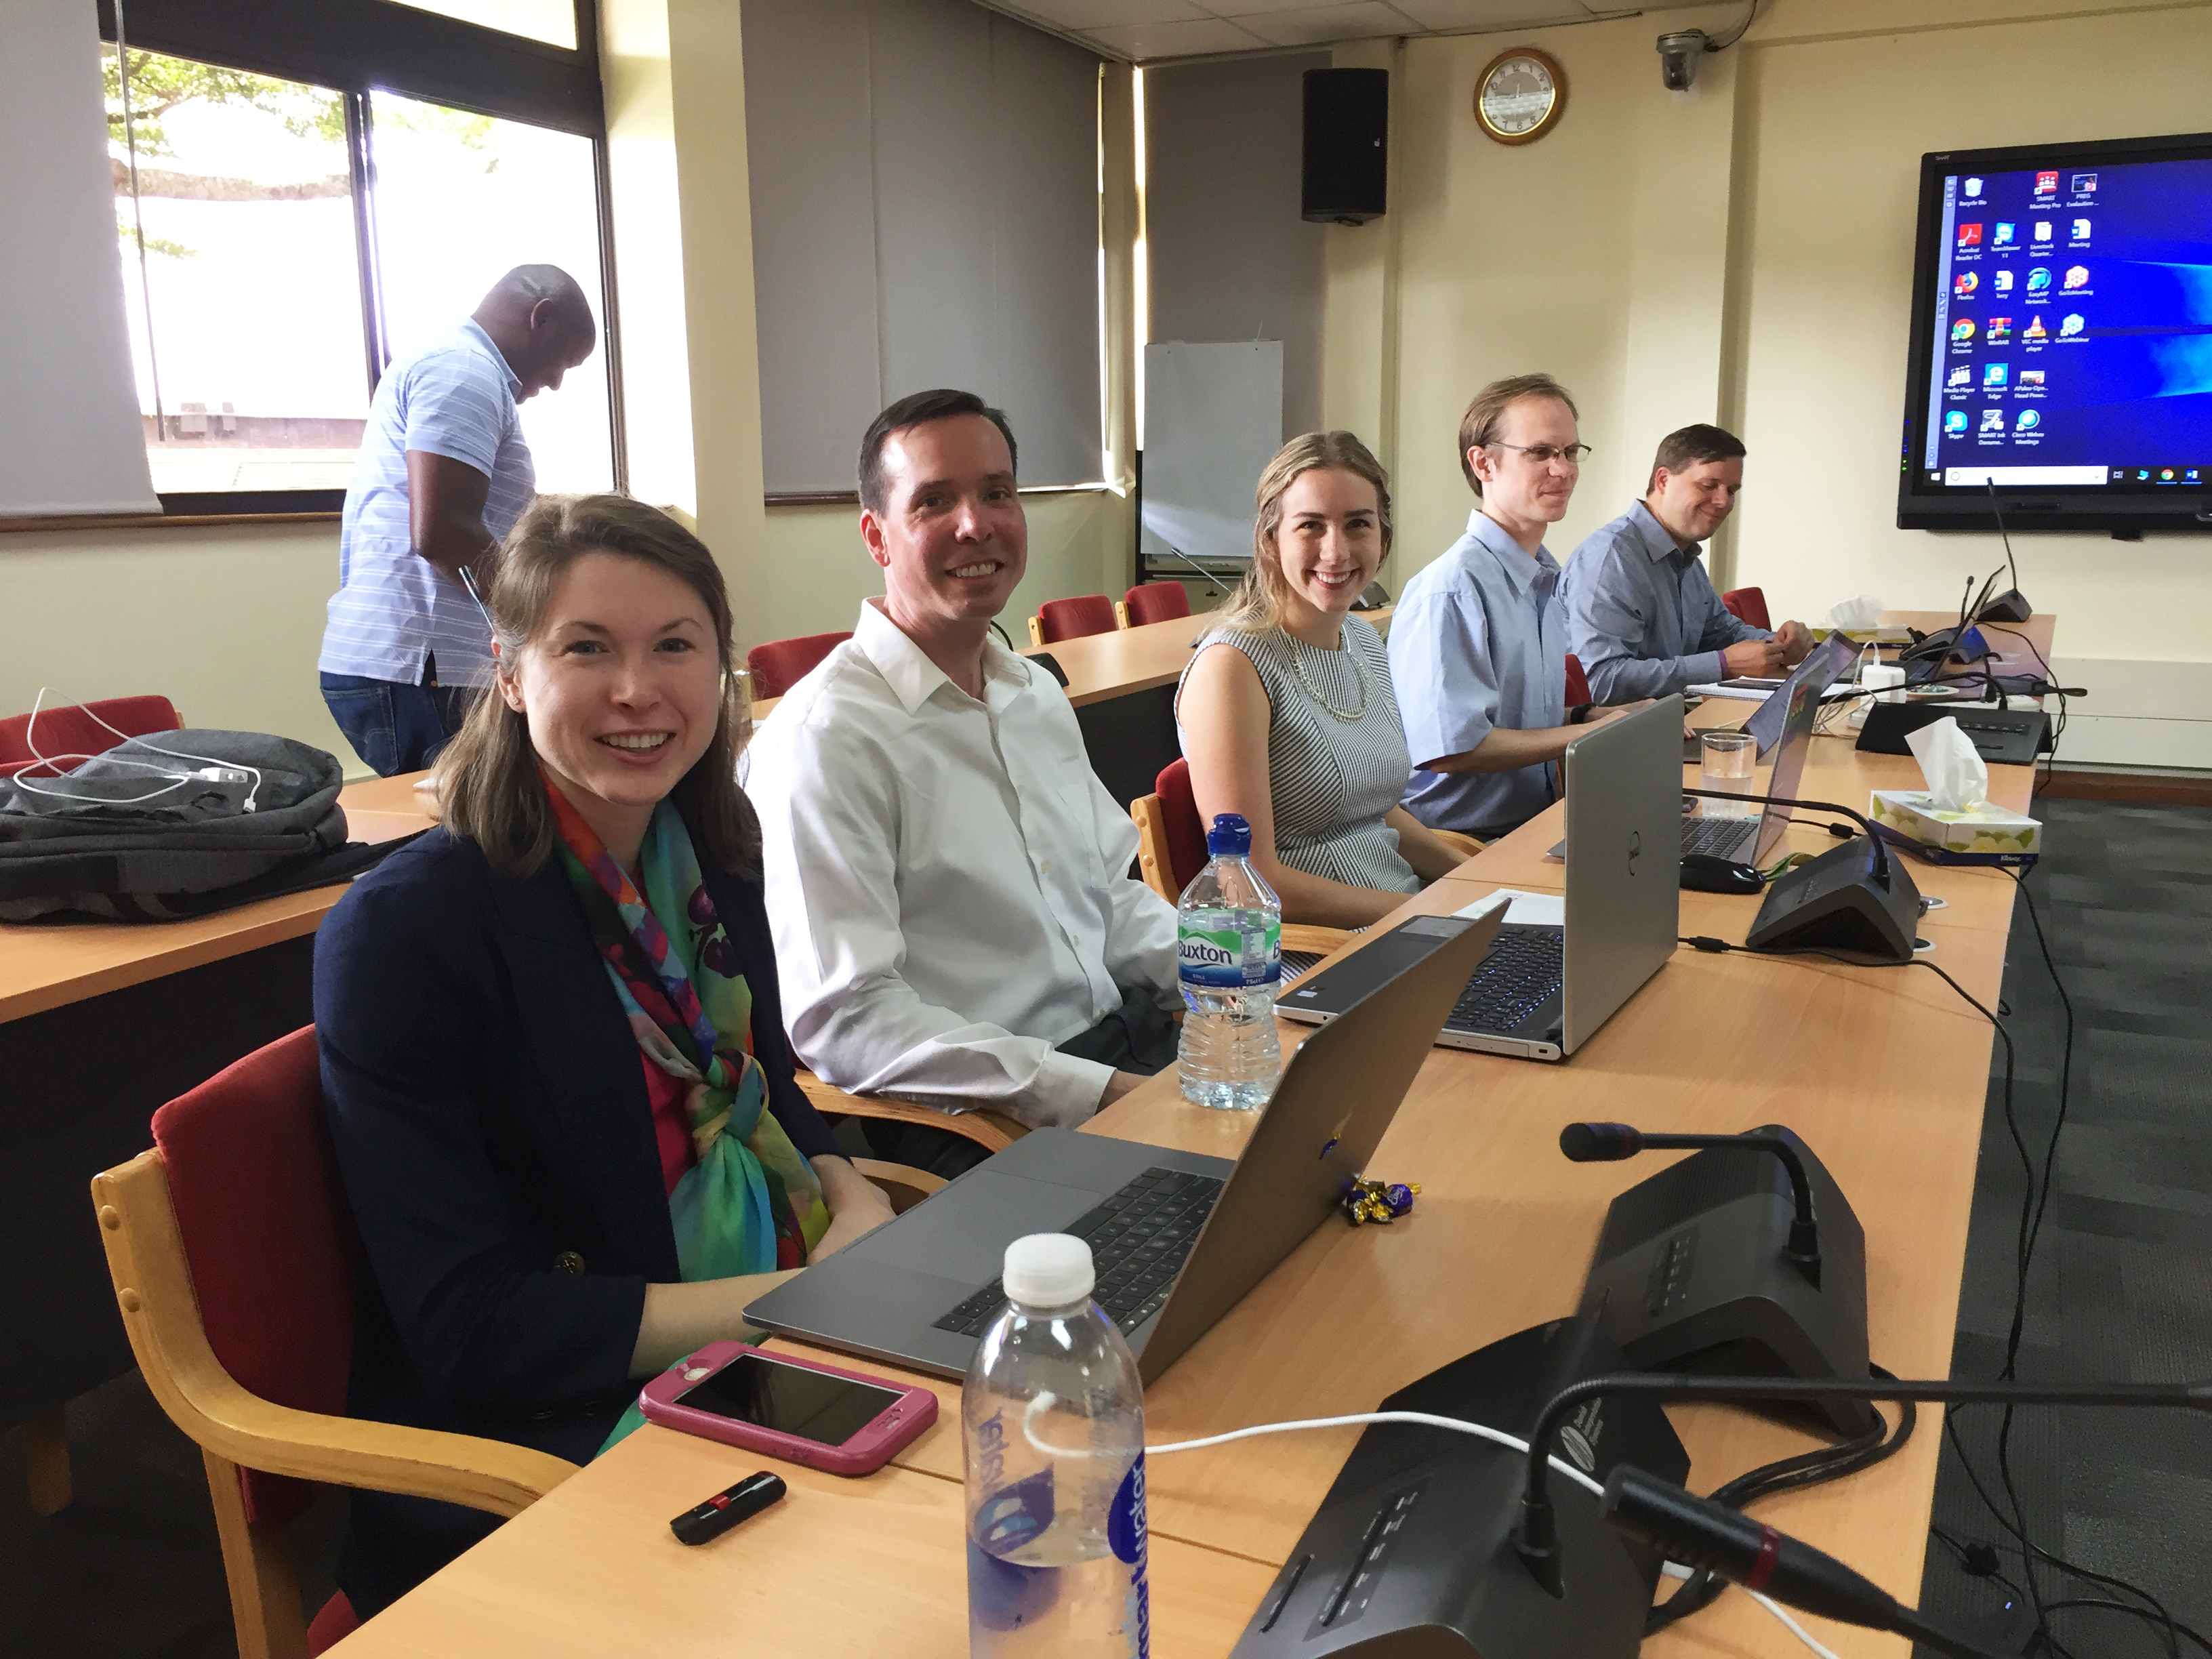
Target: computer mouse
x: 1707, y: 872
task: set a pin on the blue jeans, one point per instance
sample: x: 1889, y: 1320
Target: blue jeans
x: 396, y: 727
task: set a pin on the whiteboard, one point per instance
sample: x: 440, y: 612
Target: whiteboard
x: 70, y: 439
x: 1213, y: 419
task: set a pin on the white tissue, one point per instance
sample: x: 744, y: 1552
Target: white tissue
x: 1957, y: 781
x: 1864, y: 611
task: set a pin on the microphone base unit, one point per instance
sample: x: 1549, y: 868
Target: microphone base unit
x: 1692, y: 1273
x: 2009, y: 606
x: 1411, y: 1555
x: 1842, y: 901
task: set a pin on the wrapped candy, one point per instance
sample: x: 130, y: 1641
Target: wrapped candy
x: 1378, y: 1201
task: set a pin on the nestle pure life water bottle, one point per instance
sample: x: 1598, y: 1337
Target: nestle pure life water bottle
x: 1228, y: 932
x: 1053, y: 1418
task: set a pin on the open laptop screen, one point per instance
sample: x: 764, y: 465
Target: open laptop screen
x: 1804, y: 709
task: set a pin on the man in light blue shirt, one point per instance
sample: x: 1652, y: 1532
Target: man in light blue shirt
x: 1642, y: 614
x: 1479, y: 640
x: 442, y: 475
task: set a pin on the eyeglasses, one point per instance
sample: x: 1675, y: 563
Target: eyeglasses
x: 1545, y: 454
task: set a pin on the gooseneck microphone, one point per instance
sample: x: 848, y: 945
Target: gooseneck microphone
x: 1536, y: 1536
x: 1610, y: 1143
x: 1727, y: 1543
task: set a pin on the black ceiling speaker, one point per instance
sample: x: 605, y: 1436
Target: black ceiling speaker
x: 1347, y: 152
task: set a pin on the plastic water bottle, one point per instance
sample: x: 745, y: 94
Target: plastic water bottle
x: 1053, y: 1418
x: 1228, y: 932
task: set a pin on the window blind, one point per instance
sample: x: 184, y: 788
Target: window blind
x: 70, y: 440
x: 925, y: 207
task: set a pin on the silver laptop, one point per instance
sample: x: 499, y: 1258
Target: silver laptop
x: 1178, y: 1238
x: 1753, y: 841
x: 1541, y: 992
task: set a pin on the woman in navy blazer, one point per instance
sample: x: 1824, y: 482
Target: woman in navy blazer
x: 509, y: 1163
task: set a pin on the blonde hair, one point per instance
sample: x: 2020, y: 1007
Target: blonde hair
x: 1255, y: 605
x: 1478, y: 427
x: 487, y: 776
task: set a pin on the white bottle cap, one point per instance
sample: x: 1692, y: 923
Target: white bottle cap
x: 1049, y: 1270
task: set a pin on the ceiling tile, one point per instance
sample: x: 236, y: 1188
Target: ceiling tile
x: 1484, y: 15
x: 1172, y: 39
x: 1102, y: 14
x: 1361, y: 19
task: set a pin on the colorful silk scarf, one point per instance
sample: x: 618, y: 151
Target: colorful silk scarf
x: 751, y: 1203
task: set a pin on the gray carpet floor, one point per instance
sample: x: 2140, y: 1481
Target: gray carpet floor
x: 2121, y: 1286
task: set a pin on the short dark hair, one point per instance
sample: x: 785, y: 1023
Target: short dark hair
x: 1478, y: 427
x: 918, y: 409
x: 1690, y: 446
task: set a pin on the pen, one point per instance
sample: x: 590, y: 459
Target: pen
x: 726, y: 1509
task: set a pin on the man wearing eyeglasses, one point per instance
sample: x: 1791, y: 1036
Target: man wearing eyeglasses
x: 1479, y: 640
x: 1641, y: 611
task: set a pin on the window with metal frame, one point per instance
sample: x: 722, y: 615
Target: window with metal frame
x: 305, y: 193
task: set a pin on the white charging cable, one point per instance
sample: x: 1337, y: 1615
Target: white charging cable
x: 211, y: 770
x: 1427, y: 1419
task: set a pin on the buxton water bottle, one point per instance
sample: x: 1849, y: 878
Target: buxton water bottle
x: 1053, y: 1418
x: 1229, y: 931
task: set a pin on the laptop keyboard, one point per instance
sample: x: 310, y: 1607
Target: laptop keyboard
x: 1518, y: 977
x: 1725, y: 837
x: 1138, y: 1238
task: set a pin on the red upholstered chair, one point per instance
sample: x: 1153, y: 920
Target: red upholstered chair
x: 1152, y: 602
x: 235, y: 1260
x: 782, y: 663
x: 1072, y: 619
x: 1747, y: 604
x: 1578, y: 692
x: 83, y: 729
x: 1171, y: 851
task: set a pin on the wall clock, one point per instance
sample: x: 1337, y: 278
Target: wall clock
x: 1517, y: 99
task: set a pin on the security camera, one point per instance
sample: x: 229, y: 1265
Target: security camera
x: 1679, y: 53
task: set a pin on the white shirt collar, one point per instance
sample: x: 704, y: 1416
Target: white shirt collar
x: 906, y: 667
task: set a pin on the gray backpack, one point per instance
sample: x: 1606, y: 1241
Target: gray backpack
x: 175, y: 824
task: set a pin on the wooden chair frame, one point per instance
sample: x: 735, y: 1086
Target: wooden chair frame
x: 1036, y: 631
x: 235, y: 1429
x: 992, y: 1131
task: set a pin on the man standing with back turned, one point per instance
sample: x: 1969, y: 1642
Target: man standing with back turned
x: 443, y: 475
x: 1641, y: 611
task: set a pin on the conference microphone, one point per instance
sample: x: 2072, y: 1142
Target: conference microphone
x: 2012, y: 606
x: 1536, y: 1537
x: 1610, y: 1143
x: 1853, y: 897
x: 1729, y: 1544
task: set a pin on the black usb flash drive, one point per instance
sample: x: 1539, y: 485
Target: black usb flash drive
x: 726, y: 1509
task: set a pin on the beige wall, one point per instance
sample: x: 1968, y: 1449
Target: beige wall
x: 228, y: 623
x: 224, y: 622
x: 1744, y: 251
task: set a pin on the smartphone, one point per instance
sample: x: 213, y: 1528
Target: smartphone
x: 843, y: 1422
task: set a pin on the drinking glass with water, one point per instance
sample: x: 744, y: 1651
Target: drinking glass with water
x: 1727, y: 760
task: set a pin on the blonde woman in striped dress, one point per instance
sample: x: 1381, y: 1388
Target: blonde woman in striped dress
x: 1286, y: 711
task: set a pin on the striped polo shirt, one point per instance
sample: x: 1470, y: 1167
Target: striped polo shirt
x: 454, y: 397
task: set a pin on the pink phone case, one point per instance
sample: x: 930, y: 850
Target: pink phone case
x: 869, y: 1449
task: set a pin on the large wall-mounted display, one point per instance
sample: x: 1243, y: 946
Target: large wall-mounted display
x: 2061, y: 342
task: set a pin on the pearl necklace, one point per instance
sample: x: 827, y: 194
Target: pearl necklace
x: 1359, y: 678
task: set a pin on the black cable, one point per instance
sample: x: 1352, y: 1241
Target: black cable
x: 1811, y: 1468
x: 2051, y: 679
x: 2099, y: 1601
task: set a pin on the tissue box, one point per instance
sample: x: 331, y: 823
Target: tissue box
x: 1987, y: 834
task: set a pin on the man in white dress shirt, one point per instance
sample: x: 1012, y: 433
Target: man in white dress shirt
x: 946, y: 875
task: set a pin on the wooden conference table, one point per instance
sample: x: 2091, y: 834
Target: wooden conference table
x: 1883, y: 1070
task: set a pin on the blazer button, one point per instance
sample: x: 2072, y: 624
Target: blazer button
x: 569, y: 1262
